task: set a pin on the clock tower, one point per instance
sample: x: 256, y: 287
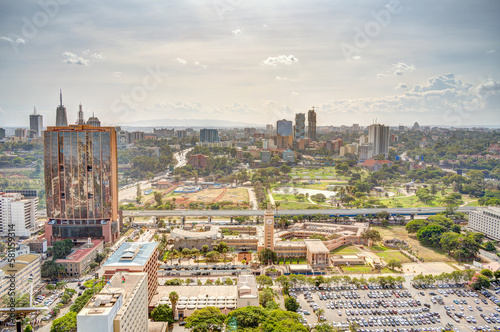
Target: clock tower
x: 269, y: 228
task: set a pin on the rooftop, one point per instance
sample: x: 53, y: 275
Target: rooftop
x: 203, y: 291
x: 132, y: 254
x: 316, y: 246
x: 80, y: 253
x: 21, y: 262
x: 180, y: 233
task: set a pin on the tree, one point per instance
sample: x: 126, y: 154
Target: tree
x: 266, y: 295
x: 489, y: 246
x: 158, y: 198
x: 264, y: 280
x: 61, y: 249
x: 49, y: 269
x: 267, y: 255
x: 430, y: 235
x: 415, y: 225
x: 394, y: 263
x: 487, y: 273
x: 28, y: 328
x: 204, y: 248
x: 162, y: 313
x: 479, y: 281
x: 209, y: 319
x: 66, y: 323
x: 173, y: 297
x: 247, y: 317
x: 371, y: 234
x: 99, y: 258
x: 324, y: 327
x: 291, y: 304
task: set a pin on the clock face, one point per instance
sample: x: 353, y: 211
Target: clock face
x: 269, y: 221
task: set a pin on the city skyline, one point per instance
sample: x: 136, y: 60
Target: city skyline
x: 252, y: 63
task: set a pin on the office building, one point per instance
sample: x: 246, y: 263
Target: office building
x: 38, y: 246
x: 355, y: 127
x: 81, y: 183
x: 289, y: 156
x: 18, y: 211
x: 61, y: 116
x: 121, y: 306
x: 198, y: 161
x: 378, y: 135
x: 269, y: 127
x: 135, y: 257
x: 284, y: 142
x: 284, y: 128
x: 311, y: 124
x: 77, y: 263
x: 36, y: 124
x: 299, y: 131
x: 20, y: 133
x: 24, y: 267
x: 181, y: 133
x: 487, y: 221
x: 93, y: 121
x: 80, y: 121
x: 209, y: 135
x: 2, y: 133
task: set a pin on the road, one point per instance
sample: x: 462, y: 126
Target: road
x: 330, y: 212
x: 181, y: 157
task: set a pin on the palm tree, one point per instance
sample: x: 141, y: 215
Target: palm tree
x: 173, y: 297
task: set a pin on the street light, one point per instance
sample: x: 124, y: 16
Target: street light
x: 30, y: 281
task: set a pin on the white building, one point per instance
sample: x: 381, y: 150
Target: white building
x: 378, y: 135
x: 24, y: 267
x: 121, y: 306
x: 18, y: 211
x: 487, y: 221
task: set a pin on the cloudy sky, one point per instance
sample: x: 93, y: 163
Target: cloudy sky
x: 397, y: 61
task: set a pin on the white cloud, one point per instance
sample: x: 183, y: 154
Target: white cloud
x: 117, y: 74
x: 73, y: 59
x: 97, y: 56
x: 400, y: 68
x: 181, y: 61
x: 401, y: 86
x: 381, y: 75
x: 281, y: 59
x: 10, y: 40
x: 489, y: 87
x: 237, y: 32
x: 438, y: 95
x: 197, y: 63
x: 491, y: 51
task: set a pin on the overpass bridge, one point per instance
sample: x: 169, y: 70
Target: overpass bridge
x: 309, y: 212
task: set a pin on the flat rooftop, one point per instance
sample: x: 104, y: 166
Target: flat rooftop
x: 79, y: 253
x: 21, y: 262
x: 183, y: 234
x: 132, y: 254
x: 316, y: 246
x: 203, y: 291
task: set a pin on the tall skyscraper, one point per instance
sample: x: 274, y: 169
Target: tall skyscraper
x: 284, y: 127
x: 209, y: 135
x: 19, y: 211
x: 36, y: 123
x: 61, y: 117
x: 311, y: 124
x: 2, y: 133
x: 81, y: 183
x: 299, y: 131
x: 378, y: 135
x: 81, y: 120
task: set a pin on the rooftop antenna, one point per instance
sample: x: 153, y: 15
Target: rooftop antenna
x: 60, y: 96
x: 34, y: 110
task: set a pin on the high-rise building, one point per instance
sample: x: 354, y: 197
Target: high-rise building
x: 487, y: 221
x: 416, y: 126
x: 135, y: 257
x: 61, y: 116
x: 311, y: 124
x: 36, y: 124
x: 378, y: 135
x: 284, y: 127
x: 80, y: 121
x: 81, y: 183
x: 26, y: 268
x: 365, y: 151
x: 2, y: 133
x: 269, y: 127
x: 121, y: 306
x: 299, y: 131
x: 18, y: 211
x: 209, y: 135
x: 20, y: 133
x: 355, y: 127
x: 93, y: 121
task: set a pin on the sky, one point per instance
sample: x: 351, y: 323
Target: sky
x: 251, y: 62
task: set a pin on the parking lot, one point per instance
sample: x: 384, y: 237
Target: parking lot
x: 396, y: 308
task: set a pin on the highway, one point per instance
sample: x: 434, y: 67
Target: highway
x: 331, y: 212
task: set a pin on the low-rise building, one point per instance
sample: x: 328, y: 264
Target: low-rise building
x: 38, y: 246
x: 487, y: 221
x: 121, y: 306
x: 78, y: 261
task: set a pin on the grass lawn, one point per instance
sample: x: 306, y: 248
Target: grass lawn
x: 388, y: 255
x: 378, y: 248
x: 427, y: 253
x: 345, y: 249
x: 357, y: 269
x: 387, y: 270
x: 294, y: 261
